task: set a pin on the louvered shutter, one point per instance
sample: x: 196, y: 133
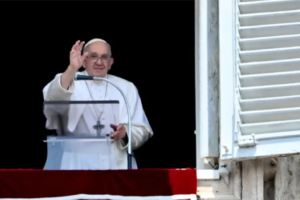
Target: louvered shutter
x: 266, y: 73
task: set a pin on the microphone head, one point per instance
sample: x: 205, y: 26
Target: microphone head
x: 82, y: 77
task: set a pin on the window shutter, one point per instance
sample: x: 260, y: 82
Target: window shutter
x: 266, y: 77
x: 269, y: 66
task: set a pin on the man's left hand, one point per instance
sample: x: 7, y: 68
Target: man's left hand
x: 119, y: 131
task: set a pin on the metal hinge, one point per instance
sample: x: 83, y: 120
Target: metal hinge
x: 247, y: 141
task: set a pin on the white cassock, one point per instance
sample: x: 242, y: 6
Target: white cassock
x: 81, y: 119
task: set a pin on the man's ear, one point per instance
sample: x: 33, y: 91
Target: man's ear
x: 111, y: 62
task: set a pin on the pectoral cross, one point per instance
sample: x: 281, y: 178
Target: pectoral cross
x: 98, y: 127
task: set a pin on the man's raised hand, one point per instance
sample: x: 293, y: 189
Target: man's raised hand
x: 76, y: 59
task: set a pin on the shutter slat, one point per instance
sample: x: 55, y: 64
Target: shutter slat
x: 270, y: 18
x: 268, y: 6
x: 270, y: 103
x: 270, y: 66
x: 269, y: 30
x: 270, y: 42
x: 271, y: 127
x: 270, y: 91
x: 270, y: 54
x: 270, y: 79
x: 270, y: 115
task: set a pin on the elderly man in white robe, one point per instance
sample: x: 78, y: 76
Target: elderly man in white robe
x: 96, y: 60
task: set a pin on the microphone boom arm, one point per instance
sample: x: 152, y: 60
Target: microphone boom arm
x: 83, y: 77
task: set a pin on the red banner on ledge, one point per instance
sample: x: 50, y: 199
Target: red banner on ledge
x: 59, y: 183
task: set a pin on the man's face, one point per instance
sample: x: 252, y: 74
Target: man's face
x: 94, y: 65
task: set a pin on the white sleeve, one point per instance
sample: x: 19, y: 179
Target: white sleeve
x: 54, y: 91
x: 139, y: 135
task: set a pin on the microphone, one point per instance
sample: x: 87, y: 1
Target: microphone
x: 83, y: 77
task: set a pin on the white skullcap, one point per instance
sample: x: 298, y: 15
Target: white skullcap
x: 92, y: 41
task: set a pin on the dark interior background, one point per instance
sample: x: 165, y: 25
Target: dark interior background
x: 152, y: 44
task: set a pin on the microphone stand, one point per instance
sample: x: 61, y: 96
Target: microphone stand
x: 83, y: 77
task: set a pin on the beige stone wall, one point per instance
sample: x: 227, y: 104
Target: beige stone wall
x: 260, y: 179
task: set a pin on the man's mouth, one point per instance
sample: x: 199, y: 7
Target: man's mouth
x: 99, y: 68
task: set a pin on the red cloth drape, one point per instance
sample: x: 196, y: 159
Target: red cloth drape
x: 142, y: 182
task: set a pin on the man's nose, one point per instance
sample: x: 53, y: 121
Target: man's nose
x: 99, y: 61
